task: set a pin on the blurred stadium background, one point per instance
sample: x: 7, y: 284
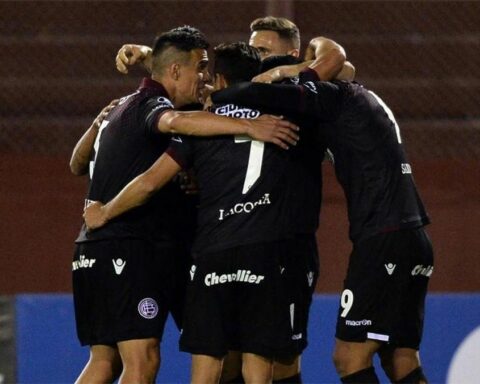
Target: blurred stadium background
x: 57, y: 71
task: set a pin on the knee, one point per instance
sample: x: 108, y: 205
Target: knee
x: 351, y: 357
x: 141, y: 363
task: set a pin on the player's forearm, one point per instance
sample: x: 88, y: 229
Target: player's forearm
x: 83, y: 150
x: 276, y: 98
x: 328, y: 57
x: 147, y: 58
x: 201, y: 123
x: 142, y: 188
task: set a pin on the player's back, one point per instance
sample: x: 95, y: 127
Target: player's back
x: 249, y: 190
x: 128, y: 143
x: 371, y: 165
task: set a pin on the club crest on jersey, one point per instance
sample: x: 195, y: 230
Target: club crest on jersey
x: 232, y: 110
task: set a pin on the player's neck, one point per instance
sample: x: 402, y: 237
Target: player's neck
x: 169, y: 86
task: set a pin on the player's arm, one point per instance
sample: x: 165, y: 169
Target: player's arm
x: 82, y: 153
x: 134, y: 194
x: 328, y: 57
x: 131, y: 54
x: 323, y: 55
x: 272, y: 97
x: 266, y: 128
x: 319, y: 100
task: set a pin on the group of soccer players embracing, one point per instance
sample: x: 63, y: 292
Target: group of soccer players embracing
x: 236, y: 262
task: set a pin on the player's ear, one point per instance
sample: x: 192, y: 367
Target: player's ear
x: 174, y: 71
x: 220, y: 81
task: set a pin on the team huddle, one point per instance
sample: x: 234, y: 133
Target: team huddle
x: 204, y: 201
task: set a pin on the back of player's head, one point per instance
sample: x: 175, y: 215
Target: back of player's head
x: 176, y: 44
x: 237, y: 62
x: 276, y: 61
x: 286, y: 29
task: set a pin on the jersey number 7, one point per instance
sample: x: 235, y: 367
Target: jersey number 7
x: 255, y: 159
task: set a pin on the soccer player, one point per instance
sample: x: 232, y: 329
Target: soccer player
x: 271, y: 36
x: 120, y: 307
x: 382, y: 303
x: 255, y: 256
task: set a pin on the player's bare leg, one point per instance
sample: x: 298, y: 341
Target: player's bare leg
x: 256, y: 369
x: 399, y: 363
x: 206, y: 369
x: 352, y: 358
x: 104, y: 366
x: 141, y: 360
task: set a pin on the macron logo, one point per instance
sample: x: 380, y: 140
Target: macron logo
x: 118, y: 264
x: 390, y: 268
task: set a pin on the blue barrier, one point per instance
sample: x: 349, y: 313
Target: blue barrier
x: 48, y: 350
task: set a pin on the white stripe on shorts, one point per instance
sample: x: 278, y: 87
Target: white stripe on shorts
x: 377, y: 336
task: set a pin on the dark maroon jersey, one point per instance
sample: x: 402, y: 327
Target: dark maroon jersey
x: 128, y: 143
x: 250, y: 191
x: 364, y: 138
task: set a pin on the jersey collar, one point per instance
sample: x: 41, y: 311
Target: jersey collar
x: 150, y: 83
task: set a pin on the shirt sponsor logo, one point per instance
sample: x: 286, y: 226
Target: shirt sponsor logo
x: 148, y: 308
x: 241, y: 275
x: 358, y: 323
x: 244, y: 207
x: 406, y: 168
x: 231, y: 110
x: 422, y: 270
x: 118, y: 264
x: 83, y: 262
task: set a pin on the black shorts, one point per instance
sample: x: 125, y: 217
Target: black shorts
x: 253, y: 299
x: 385, y: 288
x: 123, y: 289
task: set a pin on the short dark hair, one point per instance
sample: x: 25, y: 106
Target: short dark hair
x: 285, y: 28
x: 236, y: 61
x: 276, y: 61
x: 184, y: 38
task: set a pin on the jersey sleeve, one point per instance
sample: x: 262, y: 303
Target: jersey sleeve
x: 153, y: 109
x: 288, y: 98
x: 181, y: 150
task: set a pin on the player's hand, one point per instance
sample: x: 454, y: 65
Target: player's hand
x: 104, y: 112
x: 273, y: 129
x: 94, y: 215
x: 187, y: 182
x: 131, y: 54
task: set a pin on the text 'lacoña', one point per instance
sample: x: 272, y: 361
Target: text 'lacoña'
x: 247, y: 207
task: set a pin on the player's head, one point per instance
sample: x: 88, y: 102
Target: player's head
x: 275, y: 36
x: 180, y: 61
x: 234, y: 63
